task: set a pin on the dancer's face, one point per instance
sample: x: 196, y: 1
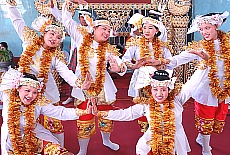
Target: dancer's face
x: 149, y: 30
x: 208, y: 31
x: 27, y: 94
x: 82, y: 21
x: 52, y: 39
x: 160, y: 93
x: 102, y: 33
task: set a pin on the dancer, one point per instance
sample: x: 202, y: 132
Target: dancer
x: 212, y: 95
x: 40, y: 56
x: 93, y: 53
x: 141, y: 48
x: 22, y: 105
x: 72, y: 61
x: 163, y: 110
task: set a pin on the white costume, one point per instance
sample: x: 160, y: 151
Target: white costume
x: 58, y: 112
x: 133, y: 52
x: 109, y: 87
x: 181, y: 146
x: 203, y: 94
x: 51, y: 91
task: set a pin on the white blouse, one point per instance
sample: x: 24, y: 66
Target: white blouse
x: 181, y: 146
x: 58, y: 112
x: 203, y: 94
x: 109, y: 87
x: 51, y: 91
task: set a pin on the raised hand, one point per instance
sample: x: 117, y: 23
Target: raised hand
x: 114, y: 67
x: 87, y: 83
x: 200, y: 53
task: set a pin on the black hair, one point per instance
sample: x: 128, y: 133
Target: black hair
x: 161, y: 75
x: 31, y: 76
x: 155, y: 18
x: 214, y: 13
x: 85, y: 10
x: 4, y: 44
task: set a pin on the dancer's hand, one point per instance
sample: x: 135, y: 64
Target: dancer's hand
x: 79, y: 1
x: 200, y: 53
x: 87, y: 83
x: 139, y: 63
x: 114, y: 67
x: 152, y: 62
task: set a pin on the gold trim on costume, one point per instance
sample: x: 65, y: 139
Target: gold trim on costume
x: 105, y: 125
x: 86, y: 128
x: 53, y: 125
x: 144, y: 125
x: 80, y: 112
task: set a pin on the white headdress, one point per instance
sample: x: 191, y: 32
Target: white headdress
x: 136, y: 20
x: 145, y: 78
x: 43, y: 24
x: 216, y: 19
x: 12, y: 79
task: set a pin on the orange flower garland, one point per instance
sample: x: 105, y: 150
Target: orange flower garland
x: 217, y: 91
x: 144, y: 48
x: 26, y: 59
x: 27, y: 144
x: 98, y: 85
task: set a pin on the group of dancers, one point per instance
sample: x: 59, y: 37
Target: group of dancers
x: 30, y: 90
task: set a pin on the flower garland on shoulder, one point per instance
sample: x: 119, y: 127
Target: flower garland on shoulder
x: 162, y: 125
x: 46, y: 58
x: 97, y: 86
x: 217, y: 91
x: 162, y: 138
x: 144, y: 48
x: 27, y: 144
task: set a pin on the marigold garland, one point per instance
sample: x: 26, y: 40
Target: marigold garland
x: 217, y: 91
x: 97, y: 86
x: 145, y: 51
x: 26, y: 59
x: 162, y: 138
x: 27, y: 144
x: 162, y: 125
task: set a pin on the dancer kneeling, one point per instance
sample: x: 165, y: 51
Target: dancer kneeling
x: 22, y: 105
x: 163, y: 111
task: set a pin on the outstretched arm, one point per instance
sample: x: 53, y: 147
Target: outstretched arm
x: 16, y: 18
x: 128, y: 114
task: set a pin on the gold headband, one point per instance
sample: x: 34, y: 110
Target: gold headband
x: 30, y: 82
x: 151, y: 21
x: 101, y: 22
x: 168, y: 83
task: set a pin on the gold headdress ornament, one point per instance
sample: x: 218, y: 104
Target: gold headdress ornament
x: 101, y: 22
x: 145, y: 78
x: 43, y: 24
x: 12, y: 79
x: 216, y: 19
x: 151, y: 21
x: 136, y: 20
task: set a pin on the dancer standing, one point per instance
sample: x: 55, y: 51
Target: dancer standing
x: 93, y: 53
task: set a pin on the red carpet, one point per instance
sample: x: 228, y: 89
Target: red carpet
x: 126, y: 134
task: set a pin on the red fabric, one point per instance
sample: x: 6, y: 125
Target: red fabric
x: 73, y: 61
x: 143, y: 119
x: 210, y: 112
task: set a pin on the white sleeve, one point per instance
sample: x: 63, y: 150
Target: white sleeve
x: 17, y: 20
x: 129, y: 54
x: 56, y: 13
x: 59, y: 112
x: 128, y: 114
x: 191, y: 85
x: 142, y: 147
x: 181, y: 59
x: 70, y: 24
x: 65, y: 73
